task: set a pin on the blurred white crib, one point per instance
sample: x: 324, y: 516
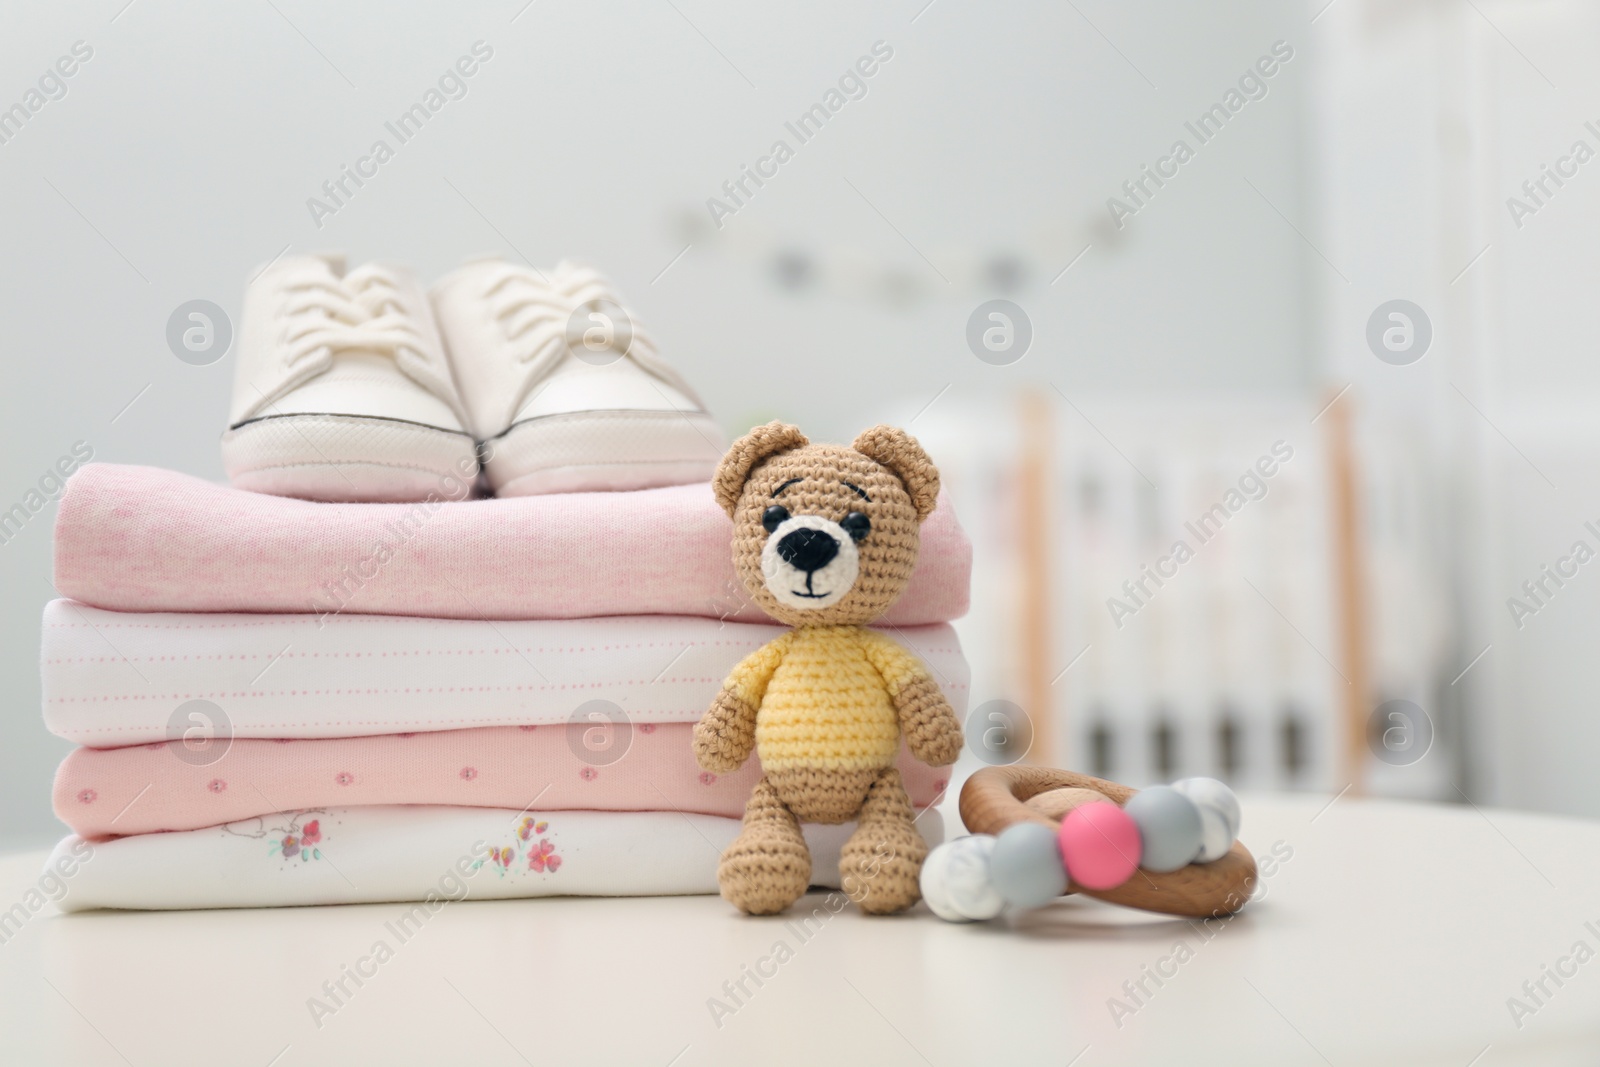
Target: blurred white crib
x: 1160, y: 587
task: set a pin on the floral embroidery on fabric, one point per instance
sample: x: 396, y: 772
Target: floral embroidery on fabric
x: 304, y: 844
x: 344, y: 778
x: 542, y: 857
x: 647, y: 728
x: 300, y: 840
x: 588, y: 774
x: 87, y: 796
x: 217, y: 785
x: 468, y: 773
x: 540, y: 854
x: 706, y: 778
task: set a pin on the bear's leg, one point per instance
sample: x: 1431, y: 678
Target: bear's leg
x: 880, y: 863
x: 768, y: 866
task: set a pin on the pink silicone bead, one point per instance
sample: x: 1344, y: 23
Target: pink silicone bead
x: 1100, y: 843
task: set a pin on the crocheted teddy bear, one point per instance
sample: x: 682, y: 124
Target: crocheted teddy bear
x: 824, y: 539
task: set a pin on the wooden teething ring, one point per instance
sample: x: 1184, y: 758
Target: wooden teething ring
x: 997, y: 797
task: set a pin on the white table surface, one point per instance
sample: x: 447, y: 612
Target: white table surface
x: 1394, y: 935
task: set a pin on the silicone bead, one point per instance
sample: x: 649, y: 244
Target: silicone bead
x: 1100, y: 845
x: 1170, y: 830
x: 1026, y: 867
x: 955, y: 880
x: 1215, y: 839
x: 967, y: 884
x: 1210, y: 793
x: 932, y: 881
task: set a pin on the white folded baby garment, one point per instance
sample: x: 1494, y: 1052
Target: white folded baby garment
x: 433, y: 855
x: 124, y: 678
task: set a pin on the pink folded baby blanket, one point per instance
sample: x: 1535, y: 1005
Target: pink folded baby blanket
x: 144, y: 539
x: 583, y: 766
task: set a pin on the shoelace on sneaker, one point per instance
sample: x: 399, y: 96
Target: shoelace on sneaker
x: 362, y: 311
x: 536, y: 310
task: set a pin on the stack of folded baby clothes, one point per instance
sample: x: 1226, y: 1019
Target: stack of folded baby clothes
x: 350, y: 677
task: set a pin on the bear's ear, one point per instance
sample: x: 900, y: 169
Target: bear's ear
x: 899, y: 451
x: 746, y: 453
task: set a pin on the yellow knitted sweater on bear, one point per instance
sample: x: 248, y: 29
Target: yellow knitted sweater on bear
x: 825, y: 697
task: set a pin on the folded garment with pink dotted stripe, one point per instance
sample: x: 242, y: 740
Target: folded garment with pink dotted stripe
x: 600, y: 766
x: 124, y: 678
x: 434, y: 855
x: 144, y: 539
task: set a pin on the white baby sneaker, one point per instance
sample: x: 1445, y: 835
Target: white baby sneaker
x: 564, y: 391
x: 342, y: 390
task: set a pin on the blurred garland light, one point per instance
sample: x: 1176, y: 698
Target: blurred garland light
x: 850, y: 272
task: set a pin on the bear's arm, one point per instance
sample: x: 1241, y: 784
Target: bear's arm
x: 930, y: 726
x: 726, y: 734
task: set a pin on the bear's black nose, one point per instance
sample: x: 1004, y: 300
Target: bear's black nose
x: 808, y: 550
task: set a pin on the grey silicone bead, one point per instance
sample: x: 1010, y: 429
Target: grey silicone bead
x: 1026, y: 867
x: 1170, y: 827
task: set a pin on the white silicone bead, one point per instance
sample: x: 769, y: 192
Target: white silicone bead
x: 1210, y: 793
x: 1213, y: 834
x: 955, y: 880
x: 933, y: 884
x: 967, y: 884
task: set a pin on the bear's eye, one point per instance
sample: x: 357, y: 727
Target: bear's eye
x: 856, y: 525
x: 775, y: 516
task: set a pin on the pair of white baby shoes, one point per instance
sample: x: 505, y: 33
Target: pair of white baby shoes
x: 359, y: 385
